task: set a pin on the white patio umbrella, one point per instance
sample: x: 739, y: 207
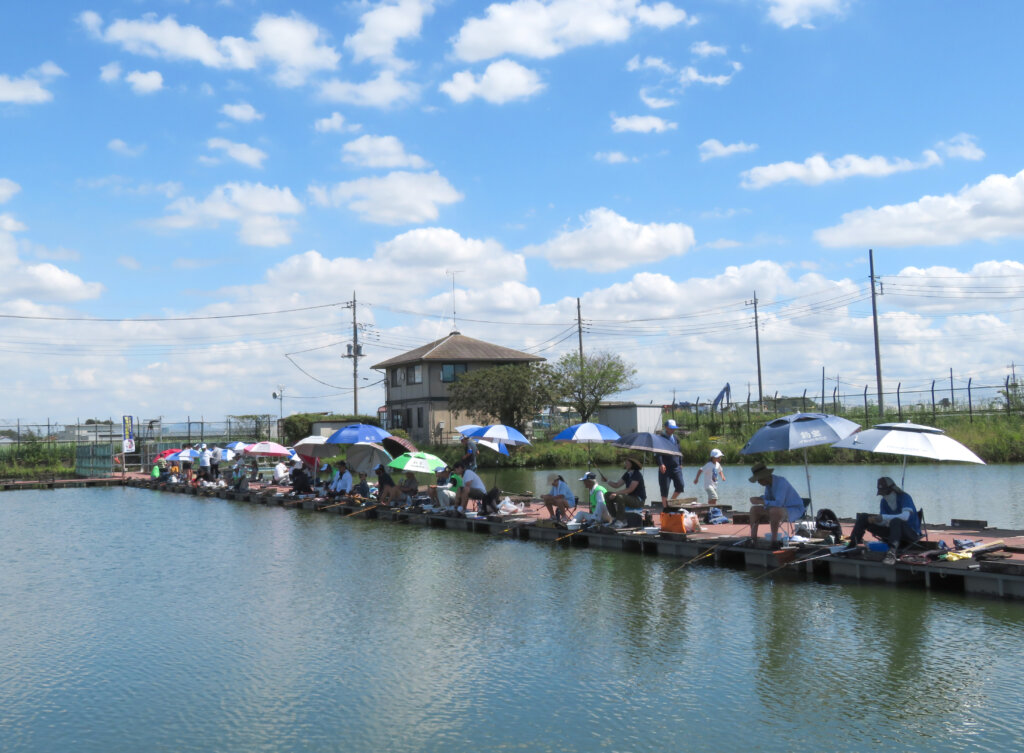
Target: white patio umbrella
x: 909, y: 439
x: 315, y: 446
x: 365, y: 456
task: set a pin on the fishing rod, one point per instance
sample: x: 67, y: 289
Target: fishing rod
x: 796, y: 562
x: 364, y: 509
x: 700, y: 556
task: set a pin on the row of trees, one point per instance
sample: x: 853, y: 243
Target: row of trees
x: 515, y: 393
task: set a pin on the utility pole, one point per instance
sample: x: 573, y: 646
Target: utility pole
x: 355, y: 352
x: 823, y: 390
x: 878, y: 354
x: 579, y: 331
x: 757, y: 343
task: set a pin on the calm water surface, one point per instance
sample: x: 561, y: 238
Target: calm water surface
x: 140, y: 621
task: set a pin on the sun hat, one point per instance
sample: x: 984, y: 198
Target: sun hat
x: 588, y: 476
x: 717, y: 453
x: 758, y: 470
x: 552, y: 478
x: 635, y: 461
x: 670, y: 424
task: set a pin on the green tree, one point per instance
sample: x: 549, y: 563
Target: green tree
x: 602, y: 374
x: 511, y: 394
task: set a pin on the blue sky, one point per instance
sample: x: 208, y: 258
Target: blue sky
x: 163, y: 162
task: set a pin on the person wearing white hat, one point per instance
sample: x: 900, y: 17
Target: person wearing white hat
x: 669, y: 466
x: 712, y: 472
x: 598, y: 509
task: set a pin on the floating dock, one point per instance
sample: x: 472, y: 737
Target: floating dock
x: 995, y: 574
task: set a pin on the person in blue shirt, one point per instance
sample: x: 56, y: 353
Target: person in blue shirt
x: 559, y: 498
x: 669, y: 466
x: 779, y: 502
x: 897, y: 522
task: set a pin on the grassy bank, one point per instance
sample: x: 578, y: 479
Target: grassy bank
x: 30, y: 461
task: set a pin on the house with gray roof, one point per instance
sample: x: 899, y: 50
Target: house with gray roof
x: 417, y: 383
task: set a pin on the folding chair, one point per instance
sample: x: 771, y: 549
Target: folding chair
x: 793, y: 524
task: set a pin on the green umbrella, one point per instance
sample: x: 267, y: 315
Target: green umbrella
x: 417, y: 462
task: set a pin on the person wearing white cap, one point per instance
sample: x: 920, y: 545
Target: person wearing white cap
x: 669, y: 467
x: 712, y: 472
x: 204, y: 462
x: 598, y: 509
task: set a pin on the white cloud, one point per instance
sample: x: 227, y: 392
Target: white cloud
x: 128, y: 262
x: 145, y: 83
x: 713, y: 148
x: 381, y: 151
x: 383, y: 26
x: 334, y: 124
x: 8, y: 188
x: 987, y: 211
x: 539, y: 29
x: 291, y: 44
x: 608, y: 242
x: 110, y: 72
x: 961, y: 146
x: 123, y: 148
x: 691, y: 75
x: 257, y: 209
x: 29, y: 89
x: 723, y: 243
x: 641, y: 124
x: 706, y: 49
x: 247, y: 155
x: 612, y: 158
x: 503, y: 81
x: 655, y: 103
x: 383, y: 91
x: 10, y: 225
x: 816, y: 170
x: 790, y: 13
x: 46, y: 281
x: 657, y: 64
x: 243, y: 112
x: 396, y: 199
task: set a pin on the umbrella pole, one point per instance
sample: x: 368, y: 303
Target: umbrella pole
x: 807, y: 470
x: 903, y: 476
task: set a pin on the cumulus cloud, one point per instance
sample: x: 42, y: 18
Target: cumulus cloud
x: 110, y: 72
x: 8, y: 188
x: 261, y: 212
x: 690, y: 75
x: 961, y: 146
x: 123, y: 148
x: 655, y: 103
x: 291, y: 44
x: 30, y: 89
x: 243, y: 112
x: 612, y: 158
x: 608, y: 242
x: 398, y: 198
x: 713, y: 148
x: 790, y: 13
x: 335, y: 123
x: 380, y: 151
x: 41, y: 282
x: 636, y: 64
x: 641, y: 124
x: 987, y: 211
x: 543, y: 29
x: 706, y: 49
x: 816, y: 170
x: 384, y: 26
x: 145, y: 83
x: 503, y: 81
x: 247, y: 155
x: 384, y: 91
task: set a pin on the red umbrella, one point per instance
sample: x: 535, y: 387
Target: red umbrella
x: 165, y: 453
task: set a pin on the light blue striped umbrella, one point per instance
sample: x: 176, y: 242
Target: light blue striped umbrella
x: 589, y: 433
x: 498, y: 433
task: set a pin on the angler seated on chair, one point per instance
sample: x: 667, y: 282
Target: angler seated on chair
x: 778, y: 502
x: 301, y: 483
x: 897, y: 522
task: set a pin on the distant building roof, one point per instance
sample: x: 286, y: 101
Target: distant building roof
x: 458, y: 347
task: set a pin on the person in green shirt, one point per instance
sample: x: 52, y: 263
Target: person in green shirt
x: 598, y: 509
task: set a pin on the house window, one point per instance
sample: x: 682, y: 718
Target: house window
x: 450, y: 371
x: 397, y: 377
x: 414, y: 374
x: 419, y: 417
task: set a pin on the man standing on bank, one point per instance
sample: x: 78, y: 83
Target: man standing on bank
x: 669, y: 466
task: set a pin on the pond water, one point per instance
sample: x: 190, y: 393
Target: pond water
x: 134, y: 620
x: 944, y: 490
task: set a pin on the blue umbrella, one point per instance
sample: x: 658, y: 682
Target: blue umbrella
x: 589, y: 433
x: 355, y: 433
x: 237, y: 446
x: 798, y: 432
x: 498, y: 433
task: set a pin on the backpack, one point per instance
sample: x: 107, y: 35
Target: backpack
x: 826, y: 520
